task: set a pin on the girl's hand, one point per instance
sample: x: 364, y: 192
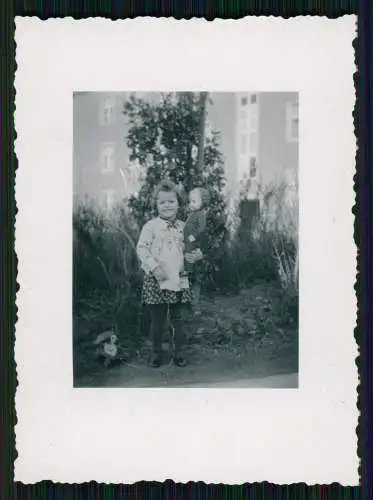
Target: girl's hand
x: 160, y: 274
x: 198, y: 254
x: 195, y: 256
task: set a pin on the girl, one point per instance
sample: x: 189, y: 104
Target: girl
x: 161, y: 252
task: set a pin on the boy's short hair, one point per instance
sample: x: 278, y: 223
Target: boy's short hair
x: 205, y: 195
x: 169, y: 187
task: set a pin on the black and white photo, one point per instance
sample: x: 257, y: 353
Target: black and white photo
x: 186, y: 239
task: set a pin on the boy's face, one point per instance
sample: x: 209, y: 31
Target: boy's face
x: 195, y: 200
x: 167, y: 204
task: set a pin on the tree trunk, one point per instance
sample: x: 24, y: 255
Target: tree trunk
x: 188, y: 96
x: 200, y: 165
x: 201, y: 145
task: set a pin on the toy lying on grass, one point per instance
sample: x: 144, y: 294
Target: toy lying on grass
x: 109, y: 350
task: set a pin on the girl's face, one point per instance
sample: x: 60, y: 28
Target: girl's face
x: 167, y: 204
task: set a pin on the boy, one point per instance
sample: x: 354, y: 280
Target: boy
x: 195, y: 230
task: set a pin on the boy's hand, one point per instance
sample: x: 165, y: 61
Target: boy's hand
x: 160, y: 273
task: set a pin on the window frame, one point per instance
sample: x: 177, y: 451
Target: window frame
x: 107, y: 104
x: 244, y: 144
x: 254, y: 139
x: 253, y: 158
x: 292, y: 115
x: 105, y: 146
x: 108, y: 205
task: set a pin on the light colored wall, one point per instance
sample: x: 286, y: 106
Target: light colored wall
x: 222, y: 115
x: 89, y: 136
x: 276, y: 154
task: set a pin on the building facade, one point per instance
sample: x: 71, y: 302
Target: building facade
x: 102, y: 170
x: 260, y: 134
x: 259, y: 141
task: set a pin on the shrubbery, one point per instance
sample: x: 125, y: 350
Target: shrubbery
x: 265, y: 249
x: 107, y: 278
x: 106, y: 275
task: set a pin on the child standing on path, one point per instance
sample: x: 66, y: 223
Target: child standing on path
x: 165, y: 290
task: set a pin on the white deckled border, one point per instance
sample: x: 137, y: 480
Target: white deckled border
x: 218, y: 436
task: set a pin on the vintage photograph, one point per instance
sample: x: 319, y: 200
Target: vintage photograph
x: 185, y: 239
x: 175, y: 211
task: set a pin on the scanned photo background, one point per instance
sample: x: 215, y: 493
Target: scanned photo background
x: 283, y: 433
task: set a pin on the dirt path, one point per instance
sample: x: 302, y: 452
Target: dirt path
x: 222, y: 370
x: 233, y: 341
x: 287, y: 381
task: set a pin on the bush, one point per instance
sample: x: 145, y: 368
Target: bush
x: 248, y: 260
x: 265, y: 248
x: 105, y: 270
x: 107, y: 278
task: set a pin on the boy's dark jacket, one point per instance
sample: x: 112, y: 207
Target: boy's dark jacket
x: 194, y: 230
x: 204, y: 231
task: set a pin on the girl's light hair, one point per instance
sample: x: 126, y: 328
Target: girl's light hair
x: 167, y: 186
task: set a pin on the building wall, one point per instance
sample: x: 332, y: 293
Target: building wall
x: 234, y: 114
x: 265, y: 150
x: 222, y: 115
x: 90, y: 136
x: 246, y: 136
x: 278, y: 154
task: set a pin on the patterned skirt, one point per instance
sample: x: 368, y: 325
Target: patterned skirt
x: 152, y: 293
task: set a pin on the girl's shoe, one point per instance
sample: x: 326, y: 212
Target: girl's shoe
x: 180, y: 361
x: 156, y: 361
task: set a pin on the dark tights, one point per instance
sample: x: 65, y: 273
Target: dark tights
x: 159, y: 323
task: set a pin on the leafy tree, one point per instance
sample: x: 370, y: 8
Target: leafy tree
x: 164, y: 138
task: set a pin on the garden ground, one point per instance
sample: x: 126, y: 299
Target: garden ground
x: 247, y: 339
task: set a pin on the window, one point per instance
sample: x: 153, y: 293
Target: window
x: 253, y: 98
x: 244, y: 101
x: 108, y: 199
x: 244, y: 144
x: 107, y: 158
x: 254, y: 112
x: 292, y: 121
x: 253, y: 142
x: 108, y: 116
x: 243, y: 115
x: 254, y: 123
x: 253, y: 167
x: 242, y: 165
x: 243, y: 121
x: 107, y: 111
